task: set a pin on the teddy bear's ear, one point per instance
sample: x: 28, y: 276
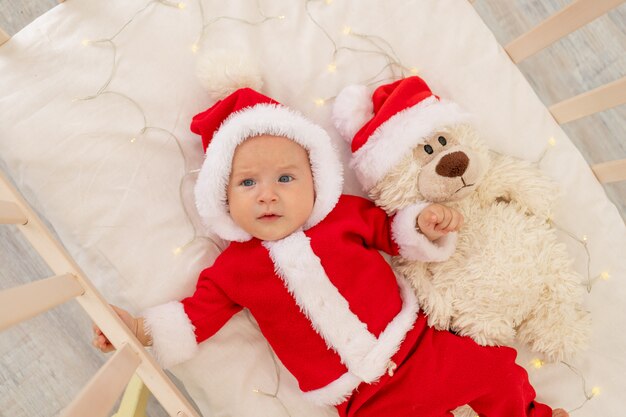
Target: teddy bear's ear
x: 352, y: 109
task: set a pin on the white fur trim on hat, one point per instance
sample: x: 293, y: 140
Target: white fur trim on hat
x: 223, y: 71
x: 399, y: 134
x: 173, y: 337
x: 272, y: 119
x: 414, y: 245
x: 352, y: 109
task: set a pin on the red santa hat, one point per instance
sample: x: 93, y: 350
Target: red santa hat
x: 245, y: 113
x: 384, y: 127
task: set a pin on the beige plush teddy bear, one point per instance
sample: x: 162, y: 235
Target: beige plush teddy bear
x: 509, y: 278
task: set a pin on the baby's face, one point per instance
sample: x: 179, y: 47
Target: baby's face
x: 270, y: 190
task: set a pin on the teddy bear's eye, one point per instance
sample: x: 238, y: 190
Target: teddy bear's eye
x: 428, y: 149
x: 442, y: 140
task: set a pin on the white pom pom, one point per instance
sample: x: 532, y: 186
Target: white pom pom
x: 352, y: 109
x: 222, y: 72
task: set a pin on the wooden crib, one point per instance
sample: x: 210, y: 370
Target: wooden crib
x: 99, y: 396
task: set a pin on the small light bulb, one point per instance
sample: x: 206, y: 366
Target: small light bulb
x: 85, y: 42
x: 194, y: 48
x: 584, y: 238
x: 537, y: 363
x: 413, y: 70
x: 332, y: 67
x: 346, y: 30
x: 281, y: 17
x: 595, y: 391
x: 177, y: 251
x: 605, y: 275
x: 552, y: 141
x: 329, y: 1
x: 319, y: 102
x: 181, y: 5
x: 132, y: 140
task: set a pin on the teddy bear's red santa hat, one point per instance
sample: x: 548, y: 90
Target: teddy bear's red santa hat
x: 384, y: 127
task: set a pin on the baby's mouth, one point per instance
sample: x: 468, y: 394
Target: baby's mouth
x: 464, y: 186
x: 269, y: 216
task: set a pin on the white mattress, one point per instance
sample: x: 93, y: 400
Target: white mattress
x: 115, y: 201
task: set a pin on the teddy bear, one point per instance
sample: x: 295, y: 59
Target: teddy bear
x: 509, y: 279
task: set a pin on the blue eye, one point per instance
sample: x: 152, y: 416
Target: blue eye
x: 247, y: 183
x: 285, y: 178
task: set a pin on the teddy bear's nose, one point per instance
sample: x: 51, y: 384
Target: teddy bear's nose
x: 452, y: 165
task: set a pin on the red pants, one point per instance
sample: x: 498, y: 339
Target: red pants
x: 439, y: 371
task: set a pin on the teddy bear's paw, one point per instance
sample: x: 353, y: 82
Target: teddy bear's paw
x: 464, y: 411
x: 558, y: 339
x: 494, y: 332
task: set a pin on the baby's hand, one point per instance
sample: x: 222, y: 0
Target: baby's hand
x: 100, y: 340
x: 438, y: 220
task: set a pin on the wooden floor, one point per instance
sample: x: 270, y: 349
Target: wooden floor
x: 45, y: 361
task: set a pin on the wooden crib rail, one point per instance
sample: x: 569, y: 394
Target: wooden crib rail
x: 10, y: 213
x: 23, y: 302
x: 572, y: 17
x: 100, y: 395
x: 3, y: 36
x: 594, y: 101
x: 26, y: 301
x: 612, y: 171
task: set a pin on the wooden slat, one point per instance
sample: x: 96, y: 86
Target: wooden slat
x: 101, y: 393
x: 135, y: 399
x: 612, y: 171
x: 10, y: 213
x: 573, y: 16
x: 96, y: 306
x: 599, y: 99
x: 3, y: 36
x: 21, y: 303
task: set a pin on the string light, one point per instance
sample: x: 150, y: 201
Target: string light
x: 205, y: 26
x: 537, y: 363
x: 381, y: 48
x: 273, y: 395
x: 583, y: 240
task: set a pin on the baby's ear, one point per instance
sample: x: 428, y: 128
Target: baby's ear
x: 352, y: 109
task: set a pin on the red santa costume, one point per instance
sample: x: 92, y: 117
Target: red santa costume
x: 324, y: 297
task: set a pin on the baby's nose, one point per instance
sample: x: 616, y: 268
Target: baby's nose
x: 267, y: 195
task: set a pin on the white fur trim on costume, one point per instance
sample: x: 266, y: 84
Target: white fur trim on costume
x: 402, y: 132
x: 336, y: 392
x: 413, y: 244
x: 392, y: 337
x: 173, y: 337
x: 365, y: 356
x: 210, y: 189
x: 352, y: 109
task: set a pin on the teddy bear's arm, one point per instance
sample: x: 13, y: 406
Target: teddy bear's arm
x: 518, y: 181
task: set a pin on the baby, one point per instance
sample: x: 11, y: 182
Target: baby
x: 304, y: 260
